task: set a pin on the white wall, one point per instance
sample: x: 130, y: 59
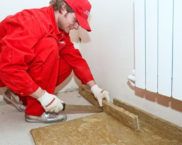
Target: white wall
x: 108, y: 49
x: 110, y: 54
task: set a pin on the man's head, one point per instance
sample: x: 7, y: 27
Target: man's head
x: 72, y: 13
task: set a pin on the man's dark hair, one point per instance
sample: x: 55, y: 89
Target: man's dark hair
x: 57, y: 4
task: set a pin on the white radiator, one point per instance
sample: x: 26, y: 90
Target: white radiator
x: 158, y: 46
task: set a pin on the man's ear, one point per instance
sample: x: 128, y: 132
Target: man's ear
x: 62, y: 9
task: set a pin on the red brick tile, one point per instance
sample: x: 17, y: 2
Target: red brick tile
x: 139, y: 92
x: 163, y: 100
x: 150, y: 96
x: 176, y: 104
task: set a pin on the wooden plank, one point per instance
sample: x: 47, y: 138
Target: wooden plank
x: 72, y: 109
x: 119, y: 113
x: 127, y: 118
x: 87, y: 94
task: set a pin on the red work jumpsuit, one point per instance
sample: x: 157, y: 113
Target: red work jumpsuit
x: 34, y: 52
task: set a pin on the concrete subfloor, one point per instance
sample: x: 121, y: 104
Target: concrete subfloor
x: 15, y: 131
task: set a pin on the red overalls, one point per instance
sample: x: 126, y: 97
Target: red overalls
x: 33, y: 53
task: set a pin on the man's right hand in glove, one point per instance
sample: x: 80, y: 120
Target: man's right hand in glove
x: 100, y: 94
x: 49, y: 102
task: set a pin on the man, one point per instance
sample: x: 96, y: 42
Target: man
x: 36, y: 55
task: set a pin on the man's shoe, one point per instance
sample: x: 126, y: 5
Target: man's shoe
x: 46, y: 118
x: 12, y: 99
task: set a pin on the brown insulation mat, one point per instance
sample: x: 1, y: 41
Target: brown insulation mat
x: 97, y: 129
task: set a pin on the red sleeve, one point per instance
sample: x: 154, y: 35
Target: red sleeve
x: 74, y: 58
x: 16, y: 53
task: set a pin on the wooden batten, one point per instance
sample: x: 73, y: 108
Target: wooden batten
x: 126, y: 117
x: 87, y: 94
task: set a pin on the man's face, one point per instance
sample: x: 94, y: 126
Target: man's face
x: 67, y: 22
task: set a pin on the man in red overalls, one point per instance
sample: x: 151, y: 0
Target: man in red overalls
x: 36, y: 55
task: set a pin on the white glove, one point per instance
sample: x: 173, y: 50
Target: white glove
x: 100, y: 94
x: 51, y: 103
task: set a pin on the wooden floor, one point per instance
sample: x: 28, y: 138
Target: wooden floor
x: 98, y: 129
